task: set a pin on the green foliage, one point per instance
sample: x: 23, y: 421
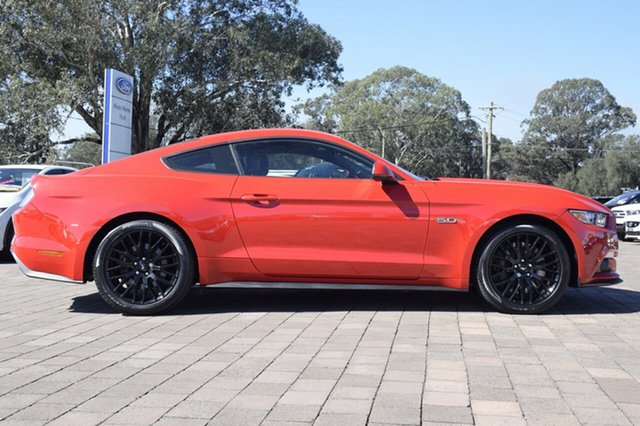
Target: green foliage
x: 619, y: 168
x: 411, y: 119
x: 82, y: 153
x: 569, y: 124
x: 28, y: 114
x: 200, y: 66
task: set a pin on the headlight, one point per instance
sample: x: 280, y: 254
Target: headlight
x: 632, y: 212
x: 591, y: 218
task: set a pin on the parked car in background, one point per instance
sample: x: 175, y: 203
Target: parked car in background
x: 14, y: 186
x: 628, y: 197
x: 621, y: 206
x: 632, y: 225
x: 148, y: 227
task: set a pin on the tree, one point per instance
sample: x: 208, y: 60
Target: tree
x: 569, y: 124
x: 200, y: 66
x: 411, y: 119
x: 82, y: 153
x: 618, y: 169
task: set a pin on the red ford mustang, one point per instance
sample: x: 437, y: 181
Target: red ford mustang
x: 296, y: 208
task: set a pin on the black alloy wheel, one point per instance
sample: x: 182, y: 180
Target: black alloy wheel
x: 523, y: 269
x: 144, y: 267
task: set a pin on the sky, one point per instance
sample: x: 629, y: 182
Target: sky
x: 501, y: 51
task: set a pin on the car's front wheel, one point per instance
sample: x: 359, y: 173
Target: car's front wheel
x: 523, y: 269
x: 144, y: 267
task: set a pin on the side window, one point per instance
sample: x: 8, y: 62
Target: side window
x: 302, y: 159
x: 214, y: 159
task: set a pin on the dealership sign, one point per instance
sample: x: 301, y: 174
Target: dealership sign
x: 116, y: 124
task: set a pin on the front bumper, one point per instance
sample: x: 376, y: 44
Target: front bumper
x: 632, y: 228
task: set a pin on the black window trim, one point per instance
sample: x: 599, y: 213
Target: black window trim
x: 233, y: 143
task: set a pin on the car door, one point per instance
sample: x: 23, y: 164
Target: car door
x: 311, y: 209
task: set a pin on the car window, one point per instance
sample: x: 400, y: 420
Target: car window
x: 301, y: 159
x: 54, y: 172
x: 213, y: 159
x: 12, y: 180
x: 622, y: 199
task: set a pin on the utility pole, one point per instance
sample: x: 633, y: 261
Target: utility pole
x: 490, y: 116
x: 484, y: 153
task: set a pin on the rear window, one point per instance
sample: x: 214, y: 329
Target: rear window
x: 214, y: 159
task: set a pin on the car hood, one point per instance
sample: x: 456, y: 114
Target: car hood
x: 508, y: 195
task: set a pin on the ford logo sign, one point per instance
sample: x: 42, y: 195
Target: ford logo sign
x: 124, y: 86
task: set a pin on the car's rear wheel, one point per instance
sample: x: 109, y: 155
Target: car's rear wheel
x: 523, y: 269
x: 144, y: 267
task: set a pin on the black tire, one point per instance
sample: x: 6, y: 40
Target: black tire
x: 5, y: 254
x: 144, y: 267
x: 523, y: 269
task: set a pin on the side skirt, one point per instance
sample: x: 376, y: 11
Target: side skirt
x: 331, y: 286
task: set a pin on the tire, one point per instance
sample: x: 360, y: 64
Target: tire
x: 144, y: 267
x: 5, y: 254
x: 523, y: 269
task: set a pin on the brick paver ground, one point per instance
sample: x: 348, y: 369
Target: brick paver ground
x: 243, y: 357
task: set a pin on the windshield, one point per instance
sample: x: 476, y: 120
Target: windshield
x: 12, y: 180
x: 410, y: 174
x: 622, y: 199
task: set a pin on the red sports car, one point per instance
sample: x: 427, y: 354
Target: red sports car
x: 297, y: 208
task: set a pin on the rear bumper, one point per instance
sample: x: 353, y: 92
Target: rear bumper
x: 45, y: 247
x: 42, y: 275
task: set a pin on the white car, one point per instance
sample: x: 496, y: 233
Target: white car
x: 14, y: 186
x: 632, y: 226
x: 622, y: 206
x: 622, y: 213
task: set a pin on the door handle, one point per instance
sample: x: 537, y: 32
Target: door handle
x: 260, y: 199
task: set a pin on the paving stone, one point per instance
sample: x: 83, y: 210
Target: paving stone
x: 293, y: 413
x: 40, y: 412
x: 600, y: 416
x: 446, y: 414
x: 496, y: 408
x: 395, y: 414
x: 349, y: 358
x: 346, y: 406
x: 191, y: 409
x: 136, y: 415
x: 446, y: 399
x: 239, y: 417
x: 79, y: 418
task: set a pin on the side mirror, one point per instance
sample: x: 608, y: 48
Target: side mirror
x: 381, y: 172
